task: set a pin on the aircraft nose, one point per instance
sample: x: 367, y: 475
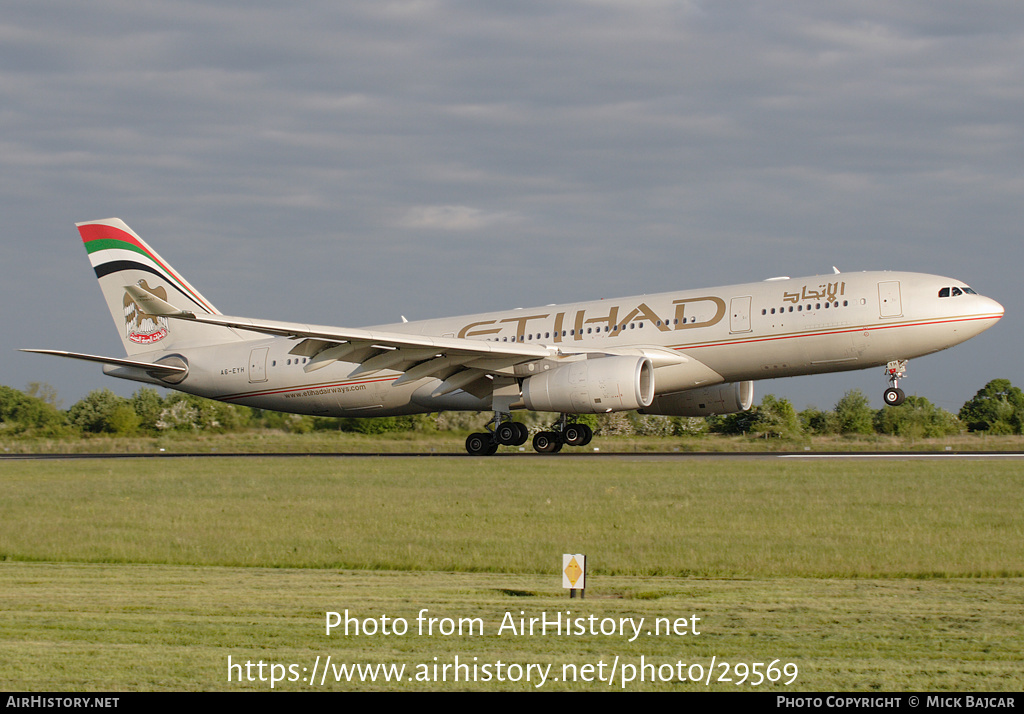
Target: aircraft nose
x: 994, y: 307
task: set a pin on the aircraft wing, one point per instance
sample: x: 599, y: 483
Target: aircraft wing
x: 458, y: 362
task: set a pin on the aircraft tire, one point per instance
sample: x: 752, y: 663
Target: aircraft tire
x: 546, y: 442
x: 524, y: 434
x: 574, y: 434
x: 894, y: 396
x: 480, y: 445
x: 507, y: 434
x: 588, y: 434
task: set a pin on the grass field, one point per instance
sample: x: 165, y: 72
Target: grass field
x: 150, y: 573
x: 265, y: 441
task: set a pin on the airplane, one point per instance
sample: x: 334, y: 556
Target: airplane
x: 682, y: 353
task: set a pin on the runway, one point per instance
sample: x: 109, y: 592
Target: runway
x: 630, y: 455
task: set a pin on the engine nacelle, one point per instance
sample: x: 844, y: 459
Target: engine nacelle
x: 719, y: 399
x: 592, y: 386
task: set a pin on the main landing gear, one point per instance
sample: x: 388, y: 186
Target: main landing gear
x: 505, y: 433
x: 564, y: 433
x: 894, y: 396
x: 510, y: 433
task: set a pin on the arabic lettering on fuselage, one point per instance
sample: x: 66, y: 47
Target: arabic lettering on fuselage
x: 826, y: 291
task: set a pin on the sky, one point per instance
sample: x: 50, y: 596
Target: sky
x: 348, y: 163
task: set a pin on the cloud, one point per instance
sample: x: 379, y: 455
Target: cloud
x: 634, y: 146
x: 455, y: 218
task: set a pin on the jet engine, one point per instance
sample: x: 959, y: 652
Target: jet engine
x: 719, y: 399
x: 592, y: 386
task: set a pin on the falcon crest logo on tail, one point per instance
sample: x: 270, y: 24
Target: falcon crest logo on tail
x: 141, y: 327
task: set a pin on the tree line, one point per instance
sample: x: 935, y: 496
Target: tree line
x: 997, y: 408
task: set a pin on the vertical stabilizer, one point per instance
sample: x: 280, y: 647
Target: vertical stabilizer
x: 121, y: 258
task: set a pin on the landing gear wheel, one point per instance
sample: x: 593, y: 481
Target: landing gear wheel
x: 577, y: 434
x: 894, y: 396
x: 507, y: 433
x: 481, y: 445
x: 524, y: 434
x: 589, y: 434
x: 573, y: 435
x: 547, y: 442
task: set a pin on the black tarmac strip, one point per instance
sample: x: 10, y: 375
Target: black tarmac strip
x: 642, y: 455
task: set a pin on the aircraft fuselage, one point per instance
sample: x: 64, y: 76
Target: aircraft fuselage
x: 753, y: 331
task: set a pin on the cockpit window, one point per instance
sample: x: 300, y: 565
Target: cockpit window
x: 955, y: 292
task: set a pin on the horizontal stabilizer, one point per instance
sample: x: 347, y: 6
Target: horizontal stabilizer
x: 151, y: 367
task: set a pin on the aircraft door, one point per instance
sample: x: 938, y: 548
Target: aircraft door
x: 739, y: 314
x: 890, y: 303
x: 258, y: 364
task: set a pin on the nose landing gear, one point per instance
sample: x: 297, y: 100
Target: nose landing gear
x: 894, y: 396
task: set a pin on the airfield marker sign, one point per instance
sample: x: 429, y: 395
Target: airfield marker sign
x: 574, y: 573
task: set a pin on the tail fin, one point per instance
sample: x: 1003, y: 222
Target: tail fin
x: 121, y: 258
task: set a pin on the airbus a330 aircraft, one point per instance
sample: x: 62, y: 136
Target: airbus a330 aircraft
x: 686, y: 353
